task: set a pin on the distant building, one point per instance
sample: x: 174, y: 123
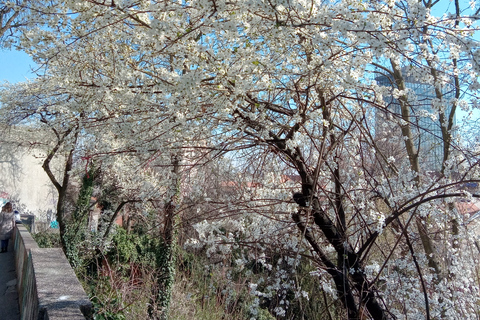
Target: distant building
x: 426, y: 124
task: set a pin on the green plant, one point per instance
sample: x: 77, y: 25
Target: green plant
x: 47, y: 239
x: 123, y: 282
x: 103, y: 313
x: 76, y: 227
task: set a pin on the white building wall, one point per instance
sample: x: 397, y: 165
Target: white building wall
x: 23, y: 179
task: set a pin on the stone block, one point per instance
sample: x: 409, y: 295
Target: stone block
x: 60, y: 294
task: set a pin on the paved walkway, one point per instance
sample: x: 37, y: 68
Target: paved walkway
x: 8, y: 292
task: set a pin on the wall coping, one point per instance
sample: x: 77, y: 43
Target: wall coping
x: 55, y: 292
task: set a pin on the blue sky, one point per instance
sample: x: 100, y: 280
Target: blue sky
x: 16, y: 66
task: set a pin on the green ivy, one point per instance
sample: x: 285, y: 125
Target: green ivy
x: 77, y: 227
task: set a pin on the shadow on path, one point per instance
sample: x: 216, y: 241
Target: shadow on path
x: 8, y: 292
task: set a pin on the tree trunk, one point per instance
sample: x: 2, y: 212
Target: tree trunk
x: 167, y: 267
x: 61, y: 188
x: 412, y: 153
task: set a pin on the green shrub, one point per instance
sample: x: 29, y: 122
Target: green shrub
x: 123, y: 282
x: 47, y: 239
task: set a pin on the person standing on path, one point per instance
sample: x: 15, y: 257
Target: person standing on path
x: 7, y: 221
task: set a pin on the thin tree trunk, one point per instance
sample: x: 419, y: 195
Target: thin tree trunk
x: 61, y: 188
x: 412, y: 153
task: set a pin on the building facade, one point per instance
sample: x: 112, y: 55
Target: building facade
x: 23, y: 181
x: 424, y: 117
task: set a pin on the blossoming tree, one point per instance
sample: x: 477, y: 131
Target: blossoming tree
x: 290, y: 84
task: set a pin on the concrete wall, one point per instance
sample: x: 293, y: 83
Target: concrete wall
x: 47, y: 286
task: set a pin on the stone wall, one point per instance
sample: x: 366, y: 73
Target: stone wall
x: 46, y: 283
